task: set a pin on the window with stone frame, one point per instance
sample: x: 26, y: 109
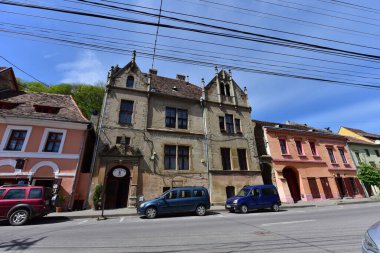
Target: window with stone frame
x: 170, y: 157
x: 242, y: 156
x: 226, y: 158
x: 313, y: 149
x: 53, y: 142
x: 342, y: 155
x: 183, y: 158
x: 228, y: 92
x: 16, y: 140
x: 170, y: 117
x: 367, y: 151
x: 331, y: 155
x: 229, y: 123
x: 222, y: 91
x: 284, y: 148
x: 130, y: 81
x: 221, y: 124
x: 358, y: 157
x: 377, y: 153
x: 237, y: 126
x: 126, y: 112
x: 182, y: 118
x: 299, y: 147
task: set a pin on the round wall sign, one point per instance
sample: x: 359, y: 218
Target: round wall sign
x: 119, y: 172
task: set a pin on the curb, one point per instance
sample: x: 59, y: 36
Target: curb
x: 94, y: 216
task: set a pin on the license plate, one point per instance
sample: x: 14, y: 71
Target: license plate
x: 228, y: 206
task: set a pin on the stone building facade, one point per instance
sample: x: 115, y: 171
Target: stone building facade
x: 155, y: 133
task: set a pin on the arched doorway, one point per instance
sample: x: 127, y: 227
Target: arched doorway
x: 230, y: 191
x: 266, y: 173
x: 292, y: 179
x: 117, y: 188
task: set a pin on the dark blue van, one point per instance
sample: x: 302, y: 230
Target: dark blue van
x: 177, y: 200
x: 254, y: 197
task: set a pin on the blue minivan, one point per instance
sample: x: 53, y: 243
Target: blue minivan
x: 254, y: 197
x: 177, y: 200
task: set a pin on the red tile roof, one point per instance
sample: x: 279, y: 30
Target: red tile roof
x: 27, y: 100
x: 175, y: 87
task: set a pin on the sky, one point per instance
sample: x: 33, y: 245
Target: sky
x: 273, y: 98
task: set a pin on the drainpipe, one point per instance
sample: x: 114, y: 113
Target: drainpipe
x: 204, y: 112
x: 99, y: 130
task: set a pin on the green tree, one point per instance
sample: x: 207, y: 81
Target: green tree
x: 35, y: 87
x: 89, y: 99
x: 369, y: 175
x: 64, y: 89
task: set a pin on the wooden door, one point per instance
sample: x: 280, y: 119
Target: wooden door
x: 291, y: 179
x: 313, y: 187
x: 326, y: 188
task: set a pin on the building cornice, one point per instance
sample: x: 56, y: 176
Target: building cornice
x: 30, y: 121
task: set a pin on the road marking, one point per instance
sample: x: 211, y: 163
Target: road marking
x: 82, y: 222
x: 286, y: 222
x: 122, y: 219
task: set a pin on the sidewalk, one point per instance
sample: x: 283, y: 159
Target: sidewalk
x: 132, y: 211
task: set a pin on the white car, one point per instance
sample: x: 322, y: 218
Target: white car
x: 371, y: 241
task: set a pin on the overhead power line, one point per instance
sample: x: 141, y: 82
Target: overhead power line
x: 294, y: 20
x: 112, y: 49
x: 236, y: 23
x: 203, y: 42
x: 315, y: 12
x: 23, y: 71
x: 353, y: 6
x: 262, y: 38
x: 194, y: 52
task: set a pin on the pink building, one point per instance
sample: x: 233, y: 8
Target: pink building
x: 42, y: 139
x: 309, y: 164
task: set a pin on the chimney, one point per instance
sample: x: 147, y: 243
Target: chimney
x: 153, y: 71
x: 181, y: 77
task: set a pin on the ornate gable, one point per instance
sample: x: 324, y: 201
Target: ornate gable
x: 223, y: 89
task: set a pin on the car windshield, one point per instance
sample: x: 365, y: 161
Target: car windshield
x: 243, y: 192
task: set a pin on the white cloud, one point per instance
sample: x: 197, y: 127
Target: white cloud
x: 86, y: 68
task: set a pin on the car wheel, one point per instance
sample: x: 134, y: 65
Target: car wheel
x: 201, y: 210
x: 244, y: 209
x: 19, y: 217
x: 151, y: 212
x: 275, y: 208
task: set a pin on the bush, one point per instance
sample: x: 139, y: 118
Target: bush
x: 97, y: 196
x: 369, y: 175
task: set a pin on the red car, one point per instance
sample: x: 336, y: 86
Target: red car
x: 20, y: 203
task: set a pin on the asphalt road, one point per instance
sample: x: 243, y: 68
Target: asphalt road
x: 324, y: 229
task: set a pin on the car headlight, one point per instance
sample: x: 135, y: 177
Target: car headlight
x: 235, y: 201
x: 369, y: 244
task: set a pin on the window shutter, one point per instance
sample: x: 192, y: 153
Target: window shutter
x: 348, y: 186
x: 359, y: 186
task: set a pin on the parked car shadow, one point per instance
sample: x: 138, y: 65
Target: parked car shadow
x: 176, y: 215
x: 40, y: 221
x: 19, y: 244
x: 263, y: 211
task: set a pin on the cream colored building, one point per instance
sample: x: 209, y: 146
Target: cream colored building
x: 157, y: 132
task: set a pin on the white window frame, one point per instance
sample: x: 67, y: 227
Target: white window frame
x: 45, y: 136
x: 7, y: 134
